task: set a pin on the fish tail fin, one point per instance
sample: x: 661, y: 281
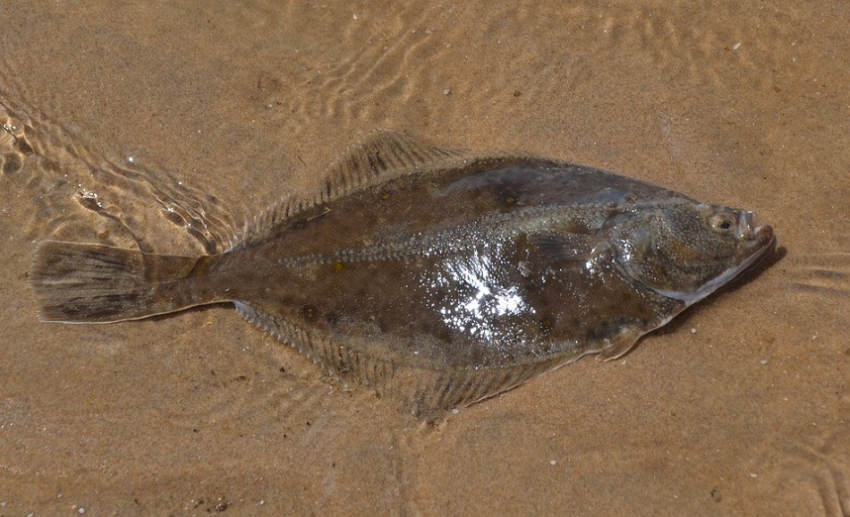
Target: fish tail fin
x: 89, y: 283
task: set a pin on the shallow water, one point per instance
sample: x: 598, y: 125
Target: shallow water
x: 138, y: 114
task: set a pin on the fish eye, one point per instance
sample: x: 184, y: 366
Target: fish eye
x: 722, y: 223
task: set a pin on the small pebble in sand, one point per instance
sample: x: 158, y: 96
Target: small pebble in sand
x: 447, y: 92
x: 763, y: 361
x: 693, y: 330
x: 553, y: 462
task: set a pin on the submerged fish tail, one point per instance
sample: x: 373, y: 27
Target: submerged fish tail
x: 89, y: 283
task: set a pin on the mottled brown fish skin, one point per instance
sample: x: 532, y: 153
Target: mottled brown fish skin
x: 441, y: 288
x: 407, y: 263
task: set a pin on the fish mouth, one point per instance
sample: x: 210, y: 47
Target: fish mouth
x: 747, y: 229
x: 761, y: 237
x: 764, y: 235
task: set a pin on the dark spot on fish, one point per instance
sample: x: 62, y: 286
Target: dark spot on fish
x: 508, y: 197
x: 332, y: 318
x: 383, y: 324
x: 546, y: 324
x: 309, y: 312
x: 445, y: 336
x: 338, y: 266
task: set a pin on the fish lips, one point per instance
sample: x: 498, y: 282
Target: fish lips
x: 748, y: 229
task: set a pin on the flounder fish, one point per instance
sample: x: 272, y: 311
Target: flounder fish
x: 434, y: 279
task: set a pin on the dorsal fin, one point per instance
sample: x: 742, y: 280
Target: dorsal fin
x: 379, y: 156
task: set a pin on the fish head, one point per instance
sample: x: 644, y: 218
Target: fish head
x: 686, y: 250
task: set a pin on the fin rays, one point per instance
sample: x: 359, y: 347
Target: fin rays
x: 380, y: 156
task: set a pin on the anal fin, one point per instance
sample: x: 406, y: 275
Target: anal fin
x: 347, y: 360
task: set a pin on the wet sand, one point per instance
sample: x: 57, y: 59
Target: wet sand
x: 741, y: 406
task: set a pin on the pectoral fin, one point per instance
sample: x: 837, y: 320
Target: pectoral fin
x: 620, y: 344
x: 561, y: 246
